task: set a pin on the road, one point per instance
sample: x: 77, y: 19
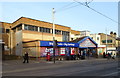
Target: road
x: 97, y: 67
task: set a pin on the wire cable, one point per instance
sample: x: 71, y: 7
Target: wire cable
x: 97, y: 12
x: 65, y: 6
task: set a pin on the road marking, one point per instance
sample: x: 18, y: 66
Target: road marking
x: 111, y: 73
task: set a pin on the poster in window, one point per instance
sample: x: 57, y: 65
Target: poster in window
x: 72, y: 51
x: 62, y: 51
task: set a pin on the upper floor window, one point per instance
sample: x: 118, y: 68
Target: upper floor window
x: 46, y: 30
x: 57, y: 32
x: 14, y: 29
x: 108, y: 41
x: 30, y: 27
x: 97, y: 38
x: 2, y: 30
x: 65, y: 33
x: 25, y: 27
x: 19, y: 27
x: 7, y: 30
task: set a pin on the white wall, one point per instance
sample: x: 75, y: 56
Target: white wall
x: 95, y: 36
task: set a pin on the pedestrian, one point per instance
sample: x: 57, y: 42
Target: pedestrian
x: 113, y: 57
x: 104, y: 55
x: 26, y: 57
x: 109, y: 56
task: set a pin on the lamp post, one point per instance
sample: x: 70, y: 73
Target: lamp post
x: 10, y: 41
x: 53, y: 12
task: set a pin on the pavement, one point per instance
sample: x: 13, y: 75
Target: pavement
x: 20, y: 62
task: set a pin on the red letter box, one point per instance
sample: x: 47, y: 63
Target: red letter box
x: 48, y: 56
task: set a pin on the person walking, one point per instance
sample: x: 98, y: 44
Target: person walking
x: 109, y: 56
x: 104, y: 55
x: 26, y: 57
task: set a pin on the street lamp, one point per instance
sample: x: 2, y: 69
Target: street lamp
x: 53, y: 12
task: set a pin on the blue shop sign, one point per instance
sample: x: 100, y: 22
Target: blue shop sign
x: 60, y: 44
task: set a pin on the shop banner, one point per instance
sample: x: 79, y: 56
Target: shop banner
x: 59, y: 44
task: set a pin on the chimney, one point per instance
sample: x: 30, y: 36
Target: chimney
x: 111, y: 34
x: 115, y: 35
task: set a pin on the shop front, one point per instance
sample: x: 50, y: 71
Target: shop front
x: 63, y: 49
x: 87, y: 47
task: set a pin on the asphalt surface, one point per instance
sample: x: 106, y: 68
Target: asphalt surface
x: 87, y: 67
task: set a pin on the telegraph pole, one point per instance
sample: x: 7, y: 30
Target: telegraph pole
x: 53, y: 12
x: 106, y: 40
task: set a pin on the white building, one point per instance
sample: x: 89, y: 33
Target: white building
x: 97, y: 39
x: 84, y: 33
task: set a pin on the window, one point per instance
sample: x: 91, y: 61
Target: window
x: 103, y: 41
x: 19, y: 27
x: 46, y: 30
x: 7, y: 30
x: 97, y: 38
x: 2, y: 30
x: 65, y: 33
x: 108, y: 41
x: 57, y: 32
x: 31, y: 27
x: 25, y: 27
x: 14, y: 29
x: 41, y: 29
x: 71, y: 38
x: 35, y: 28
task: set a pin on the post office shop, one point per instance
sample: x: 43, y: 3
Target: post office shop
x: 62, y: 49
